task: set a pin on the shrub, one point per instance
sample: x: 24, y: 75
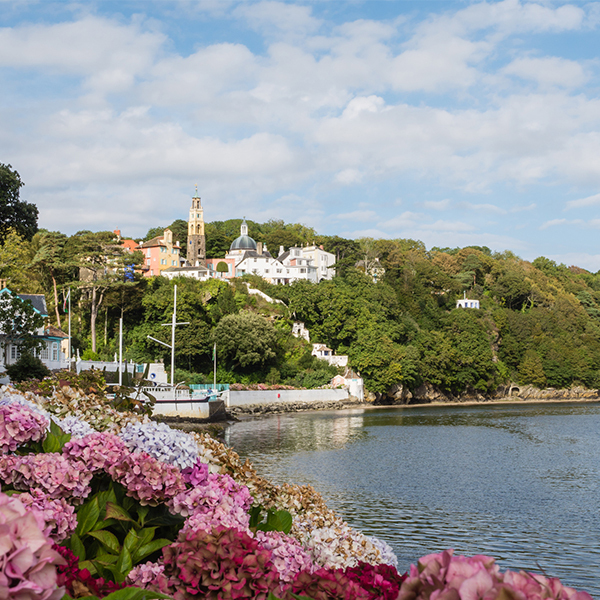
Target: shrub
x: 27, y: 367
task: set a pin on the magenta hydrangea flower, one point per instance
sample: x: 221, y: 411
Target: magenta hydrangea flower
x: 219, y: 565
x: 96, y: 450
x: 146, y: 479
x: 19, y: 425
x: 58, y: 515
x: 27, y: 560
x: 55, y: 475
x: 195, y: 475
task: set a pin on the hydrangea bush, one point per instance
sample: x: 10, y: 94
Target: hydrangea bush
x: 136, y: 503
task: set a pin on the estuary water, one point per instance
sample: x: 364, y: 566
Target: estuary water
x: 517, y: 482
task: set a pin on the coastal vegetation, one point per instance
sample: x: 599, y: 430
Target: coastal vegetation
x: 391, y: 308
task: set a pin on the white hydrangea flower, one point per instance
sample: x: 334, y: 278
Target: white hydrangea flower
x: 161, y: 442
x: 76, y: 427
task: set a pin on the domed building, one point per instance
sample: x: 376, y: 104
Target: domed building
x: 242, y: 243
x: 244, y: 246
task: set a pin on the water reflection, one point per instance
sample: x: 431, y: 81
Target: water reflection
x: 517, y: 482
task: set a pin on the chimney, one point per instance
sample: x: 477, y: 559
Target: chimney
x: 281, y: 250
x: 259, y: 248
x: 321, y: 246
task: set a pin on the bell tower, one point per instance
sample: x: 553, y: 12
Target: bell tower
x: 196, y: 243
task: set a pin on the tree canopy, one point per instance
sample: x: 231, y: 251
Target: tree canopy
x: 15, y: 214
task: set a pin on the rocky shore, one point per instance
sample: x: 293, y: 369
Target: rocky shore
x: 284, y: 407
x: 429, y: 394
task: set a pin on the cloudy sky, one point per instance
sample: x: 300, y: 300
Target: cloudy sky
x: 452, y: 122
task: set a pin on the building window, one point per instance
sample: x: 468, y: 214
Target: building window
x: 163, y: 261
x: 173, y: 263
x: 279, y: 270
x: 266, y: 270
x: 54, y: 351
x: 302, y: 270
x: 44, y: 352
x: 15, y: 352
x: 255, y: 260
x: 163, y: 249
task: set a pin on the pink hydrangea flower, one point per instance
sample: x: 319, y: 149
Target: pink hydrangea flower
x: 59, y: 516
x: 19, y: 425
x: 287, y: 555
x: 27, y: 560
x: 478, y: 578
x: 147, y: 480
x: 54, y: 474
x: 96, y: 450
x: 218, y: 501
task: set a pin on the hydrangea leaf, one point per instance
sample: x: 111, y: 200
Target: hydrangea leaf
x: 87, y: 516
x: 108, y: 539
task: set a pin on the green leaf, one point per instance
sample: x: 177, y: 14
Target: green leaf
x: 133, y: 593
x: 77, y: 546
x: 142, y: 514
x: 114, y: 511
x: 284, y: 521
x: 51, y: 443
x: 132, y: 541
x: 108, y: 539
x: 146, y: 535
x: 255, y: 515
x: 147, y: 549
x: 104, y: 523
x: 106, y: 559
x: 87, y: 516
x: 89, y: 565
x: 123, y: 565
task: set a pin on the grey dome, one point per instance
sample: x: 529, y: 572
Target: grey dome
x: 244, y: 242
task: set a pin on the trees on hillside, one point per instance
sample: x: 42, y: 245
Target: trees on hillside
x: 15, y: 214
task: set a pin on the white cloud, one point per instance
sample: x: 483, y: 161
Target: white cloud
x: 582, y: 202
x: 548, y: 71
x: 348, y: 176
x: 437, y: 204
x: 278, y: 18
x: 558, y: 222
x: 356, y: 106
x: 357, y: 215
x: 492, y: 208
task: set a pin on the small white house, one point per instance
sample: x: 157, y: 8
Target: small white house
x: 50, y: 337
x: 467, y: 303
x: 324, y: 353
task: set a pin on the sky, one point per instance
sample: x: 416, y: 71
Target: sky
x: 455, y: 123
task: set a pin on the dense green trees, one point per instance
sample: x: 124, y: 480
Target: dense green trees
x: 15, y: 214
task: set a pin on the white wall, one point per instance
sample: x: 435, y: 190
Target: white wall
x: 273, y: 396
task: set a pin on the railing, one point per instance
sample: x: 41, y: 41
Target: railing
x: 220, y: 387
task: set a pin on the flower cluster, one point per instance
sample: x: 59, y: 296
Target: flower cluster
x: 447, y: 576
x: 54, y: 474
x: 58, y: 515
x: 27, y: 561
x: 379, y: 581
x: 73, y: 425
x: 287, y: 555
x: 161, y: 442
x: 223, y: 564
x: 96, y: 450
x: 219, y: 500
x: 20, y: 424
x: 327, y: 584
x: 147, y: 480
x: 79, y: 581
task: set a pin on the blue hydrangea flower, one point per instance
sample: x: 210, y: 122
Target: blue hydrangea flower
x: 387, y: 554
x: 161, y: 442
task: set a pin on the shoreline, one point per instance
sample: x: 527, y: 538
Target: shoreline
x: 266, y: 410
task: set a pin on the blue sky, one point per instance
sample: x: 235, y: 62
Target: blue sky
x: 455, y: 123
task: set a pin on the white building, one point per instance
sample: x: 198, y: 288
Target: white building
x: 467, y: 302
x: 50, y: 338
x: 324, y: 353
x: 310, y: 263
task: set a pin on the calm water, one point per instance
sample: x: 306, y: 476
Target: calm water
x: 520, y: 483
